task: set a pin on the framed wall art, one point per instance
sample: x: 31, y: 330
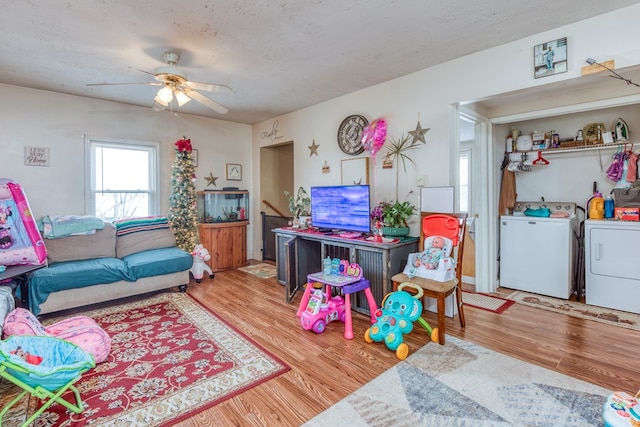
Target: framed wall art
x: 234, y: 172
x: 550, y: 58
x: 355, y: 171
x: 194, y: 157
x: 36, y: 156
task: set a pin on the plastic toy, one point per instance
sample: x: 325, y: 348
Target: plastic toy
x: 20, y: 240
x: 82, y: 331
x: 319, y: 312
x: 200, y: 255
x: 316, y: 309
x: 395, y: 319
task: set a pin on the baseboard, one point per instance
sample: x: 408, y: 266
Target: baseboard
x: 469, y: 280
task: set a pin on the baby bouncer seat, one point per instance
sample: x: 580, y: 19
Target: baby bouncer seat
x: 62, y: 363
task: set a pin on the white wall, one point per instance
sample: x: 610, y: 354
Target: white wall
x: 429, y: 95
x: 30, y: 117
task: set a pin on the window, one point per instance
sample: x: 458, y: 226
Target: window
x: 123, y: 178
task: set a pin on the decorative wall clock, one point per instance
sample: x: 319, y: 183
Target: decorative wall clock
x: 350, y: 134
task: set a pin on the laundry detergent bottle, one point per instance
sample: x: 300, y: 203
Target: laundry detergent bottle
x: 596, y: 207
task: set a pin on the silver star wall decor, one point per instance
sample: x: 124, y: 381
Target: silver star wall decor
x: 313, y: 148
x: 418, y: 134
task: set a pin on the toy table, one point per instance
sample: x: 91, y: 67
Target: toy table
x: 349, y: 285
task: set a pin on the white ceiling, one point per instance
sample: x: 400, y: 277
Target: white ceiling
x: 278, y: 55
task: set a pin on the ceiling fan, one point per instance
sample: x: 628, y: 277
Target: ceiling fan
x: 175, y: 84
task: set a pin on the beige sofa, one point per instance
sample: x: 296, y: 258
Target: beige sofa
x: 107, y: 265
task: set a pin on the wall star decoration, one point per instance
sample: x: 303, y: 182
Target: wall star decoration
x: 211, y: 180
x: 313, y: 148
x: 418, y: 134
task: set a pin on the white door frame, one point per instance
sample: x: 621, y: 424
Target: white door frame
x: 483, y: 197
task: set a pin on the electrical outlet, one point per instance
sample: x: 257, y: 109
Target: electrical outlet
x: 421, y: 180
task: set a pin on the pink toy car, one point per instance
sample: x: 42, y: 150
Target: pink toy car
x: 317, y: 322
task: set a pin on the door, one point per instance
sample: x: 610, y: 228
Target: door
x: 290, y: 268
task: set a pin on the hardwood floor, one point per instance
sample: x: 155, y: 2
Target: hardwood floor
x: 325, y: 368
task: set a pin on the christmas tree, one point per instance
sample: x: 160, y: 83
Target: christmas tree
x: 183, y: 212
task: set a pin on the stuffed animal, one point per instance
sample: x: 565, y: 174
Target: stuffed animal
x: 200, y: 254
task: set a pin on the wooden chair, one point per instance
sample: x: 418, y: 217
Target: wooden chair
x: 440, y: 224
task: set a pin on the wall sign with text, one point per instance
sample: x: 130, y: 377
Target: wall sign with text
x: 36, y: 156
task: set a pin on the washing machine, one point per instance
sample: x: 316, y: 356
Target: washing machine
x: 538, y: 254
x: 612, y: 270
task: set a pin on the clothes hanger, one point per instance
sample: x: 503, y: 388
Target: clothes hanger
x: 540, y: 160
x: 618, y: 151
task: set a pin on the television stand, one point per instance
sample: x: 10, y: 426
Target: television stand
x: 300, y: 254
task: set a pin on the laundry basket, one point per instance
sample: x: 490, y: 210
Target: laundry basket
x: 62, y: 365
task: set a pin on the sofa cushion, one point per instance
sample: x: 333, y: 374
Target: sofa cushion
x: 141, y: 234
x: 101, y: 244
x: 155, y: 262
x: 71, y: 275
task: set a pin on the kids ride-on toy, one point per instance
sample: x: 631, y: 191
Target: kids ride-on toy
x: 395, y: 319
x: 319, y: 312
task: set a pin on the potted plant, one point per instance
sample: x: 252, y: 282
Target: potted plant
x: 397, y: 150
x: 394, y: 217
x: 300, y: 207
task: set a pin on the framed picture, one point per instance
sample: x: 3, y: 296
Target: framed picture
x: 234, y: 172
x: 355, y: 171
x: 550, y: 58
x: 36, y: 156
x: 194, y: 157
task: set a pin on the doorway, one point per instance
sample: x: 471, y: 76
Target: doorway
x: 276, y: 176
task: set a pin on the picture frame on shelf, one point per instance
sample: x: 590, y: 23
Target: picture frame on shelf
x: 550, y: 58
x: 355, y: 171
x: 234, y: 172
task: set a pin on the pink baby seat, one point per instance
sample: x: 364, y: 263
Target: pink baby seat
x: 82, y: 331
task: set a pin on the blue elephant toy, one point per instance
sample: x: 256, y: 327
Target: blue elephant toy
x: 395, y: 319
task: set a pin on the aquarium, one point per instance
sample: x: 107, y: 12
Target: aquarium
x: 216, y: 206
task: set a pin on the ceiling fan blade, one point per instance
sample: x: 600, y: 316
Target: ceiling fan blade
x: 207, y: 102
x: 209, y: 87
x: 115, y: 84
x: 143, y: 71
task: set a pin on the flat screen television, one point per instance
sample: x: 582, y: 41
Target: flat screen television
x: 341, y: 207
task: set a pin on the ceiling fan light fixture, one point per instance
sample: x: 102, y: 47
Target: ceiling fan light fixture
x: 181, y: 97
x: 157, y: 107
x: 164, y: 96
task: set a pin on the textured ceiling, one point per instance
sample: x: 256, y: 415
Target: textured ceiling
x: 278, y: 56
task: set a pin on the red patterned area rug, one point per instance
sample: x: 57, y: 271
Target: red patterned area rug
x: 170, y: 358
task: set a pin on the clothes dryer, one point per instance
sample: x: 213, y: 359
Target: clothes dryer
x: 612, y: 271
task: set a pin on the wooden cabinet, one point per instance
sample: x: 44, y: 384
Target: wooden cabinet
x: 227, y: 244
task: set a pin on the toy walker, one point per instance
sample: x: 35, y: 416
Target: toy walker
x: 395, y: 319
